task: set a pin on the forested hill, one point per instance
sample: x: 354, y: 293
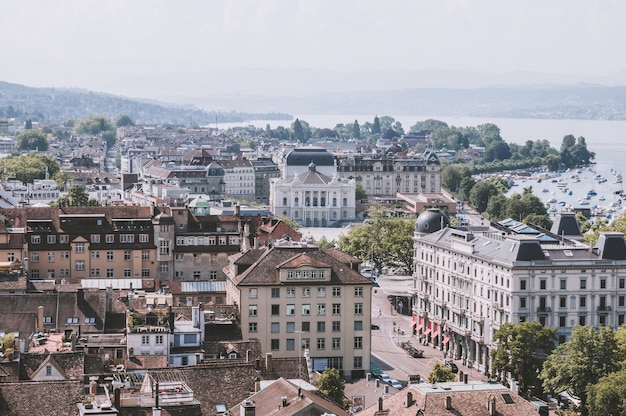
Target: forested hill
x: 58, y: 104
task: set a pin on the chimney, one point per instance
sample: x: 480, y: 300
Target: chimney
x: 448, y: 403
x: 247, y: 408
x: 283, y: 401
x: 465, y: 378
x: 461, y: 376
x: 491, y: 406
x: 256, y: 242
x: 268, y: 362
x: 380, y: 404
x: 40, y: 319
x: 257, y: 385
x: 409, y: 399
x: 195, y: 316
x: 109, y: 299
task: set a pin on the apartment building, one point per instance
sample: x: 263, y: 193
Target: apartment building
x: 301, y: 301
x: 468, y: 283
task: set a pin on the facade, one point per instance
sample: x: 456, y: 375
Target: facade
x: 469, y: 283
x: 239, y: 179
x: 314, y: 199
x: 299, y: 300
x: 386, y: 176
x: 264, y: 171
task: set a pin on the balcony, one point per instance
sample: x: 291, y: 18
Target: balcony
x: 544, y: 310
x: 604, y: 309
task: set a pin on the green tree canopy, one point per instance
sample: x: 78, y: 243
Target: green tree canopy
x: 356, y: 130
x: 521, y: 351
x: 581, y: 362
x: 32, y: 140
x: 331, y: 385
x: 124, y: 120
x: 360, y: 192
x: 298, y: 131
x: 28, y: 167
x: 440, y: 374
x: 387, y: 241
x: 75, y: 197
x: 376, y: 126
x: 96, y: 125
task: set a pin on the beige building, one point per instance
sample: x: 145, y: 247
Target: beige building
x: 304, y: 301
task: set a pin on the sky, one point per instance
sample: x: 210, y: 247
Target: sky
x: 117, y: 45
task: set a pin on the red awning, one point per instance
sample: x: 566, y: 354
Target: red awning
x: 420, y: 326
x: 445, y: 340
x: 427, y: 331
x: 435, y: 332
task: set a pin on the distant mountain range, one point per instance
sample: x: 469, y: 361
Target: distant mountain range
x: 548, y: 100
x: 58, y: 104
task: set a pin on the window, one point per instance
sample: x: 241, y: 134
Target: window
x: 291, y: 292
x: 275, y: 344
x: 47, y: 320
x: 158, y: 339
x: 252, y: 310
x: 145, y: 255
x: 358, y: 292
x: 64, y: 255
x: 291, y: 327
x: 48, y: 370
x: 10, y: 256
x: 358, y: 325
x: 127, y: 273
x: 562, y: 321
x: 72, y: 320
x: 275, y: 310
x: 127, y: 238
x: 275, y: 292
x: 90, y: 321
x: 336, y: 309
x: 95, y: 272
x: 321, y: 309
x: 145, y: 340
x: 164, y: 247
x: 34, y: 274
x: 127, y: 255
x: 95, y: 238
x: 144, y: 238
x: 542, y: 284
x: 321, y: 343
x: 336, y: 292
x: 358, y: 362
x: 358, y: 343
x: 321, y: 292
x: 306, y: 309
x: 582, y: 320
x: 291, y: 310
x: 583, y: 283
x: 522, y: 284
x: 306, y: 292
x: 306, y: 327
x: 34, y: 257
x: 110, y: 238
x: 253, y: 293
x: 582, y: 302
x: 252, y: 326
x: 80, y: 265
x: 212, y: 275
x: 562, y: 301
x: 336, y: 326
x: 358, y: 309
x: 79, y: 248
x: 336, y: 343
x: 620, y: 300
x: 52, y: 239
x: 51, y: 257
x: 290, y: 344
x: 622, y: 283
x: 145, y: 272
x: 64, y: 239
x: 602, y: 283
x: 35, y: 239
x: 563, y: 284
x: 522, y: 303
x: 321, y: 326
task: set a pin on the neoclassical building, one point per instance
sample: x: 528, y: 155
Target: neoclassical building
x: 468, y: 283
x: 310, y: 192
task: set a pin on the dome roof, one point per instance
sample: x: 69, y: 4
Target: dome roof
x: 431, y: 220
x: 199, y: 202
x: 303, y: 156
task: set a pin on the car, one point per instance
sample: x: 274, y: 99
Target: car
x: 373, y: 327
x: 395, y: 384
x: 375, y: 284
x: 453, y: 367
x: 384, y: 378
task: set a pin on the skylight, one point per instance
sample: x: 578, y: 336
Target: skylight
x: 568, y: 253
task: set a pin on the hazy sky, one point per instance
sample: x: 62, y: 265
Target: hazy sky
x: 91, y: 44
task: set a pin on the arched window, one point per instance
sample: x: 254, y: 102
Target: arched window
x: 307, y: 201
x: 314, y: 201
x: 345, y: 202
x: 296, y: 201
x: 334, y: 202
x: 296, y: 214
x: 284, y: 201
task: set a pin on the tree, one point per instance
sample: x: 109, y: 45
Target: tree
x: 356, y: 130
x: 521, y: 351
x: 76, y: 197
x: 293, y: 224
x: 608, y: 396
x: 376, y: 126
x: 32, y: 140
x: 388, y: 242
x: 581, y: 362
x: 452, y: 175
x: 360, y: 193
x: 331, y: 385
x: 298, y: 131
x: 28, y: 167
x: 484, y: 190
x: 124, y: 120
x: 326, y: 243
x: 440, y: 374
x: 97, y: 125
x: 28, y: 125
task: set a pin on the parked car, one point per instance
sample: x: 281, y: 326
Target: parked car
x: 395, y: 384
x: 453, y: 367
x: 375, y: 327
x: 385, y: 378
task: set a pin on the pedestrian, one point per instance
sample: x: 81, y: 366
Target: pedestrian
x: 380, y: 312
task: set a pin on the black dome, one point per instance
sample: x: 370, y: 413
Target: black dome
x: 431, y: 220
x: 305, y: 156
